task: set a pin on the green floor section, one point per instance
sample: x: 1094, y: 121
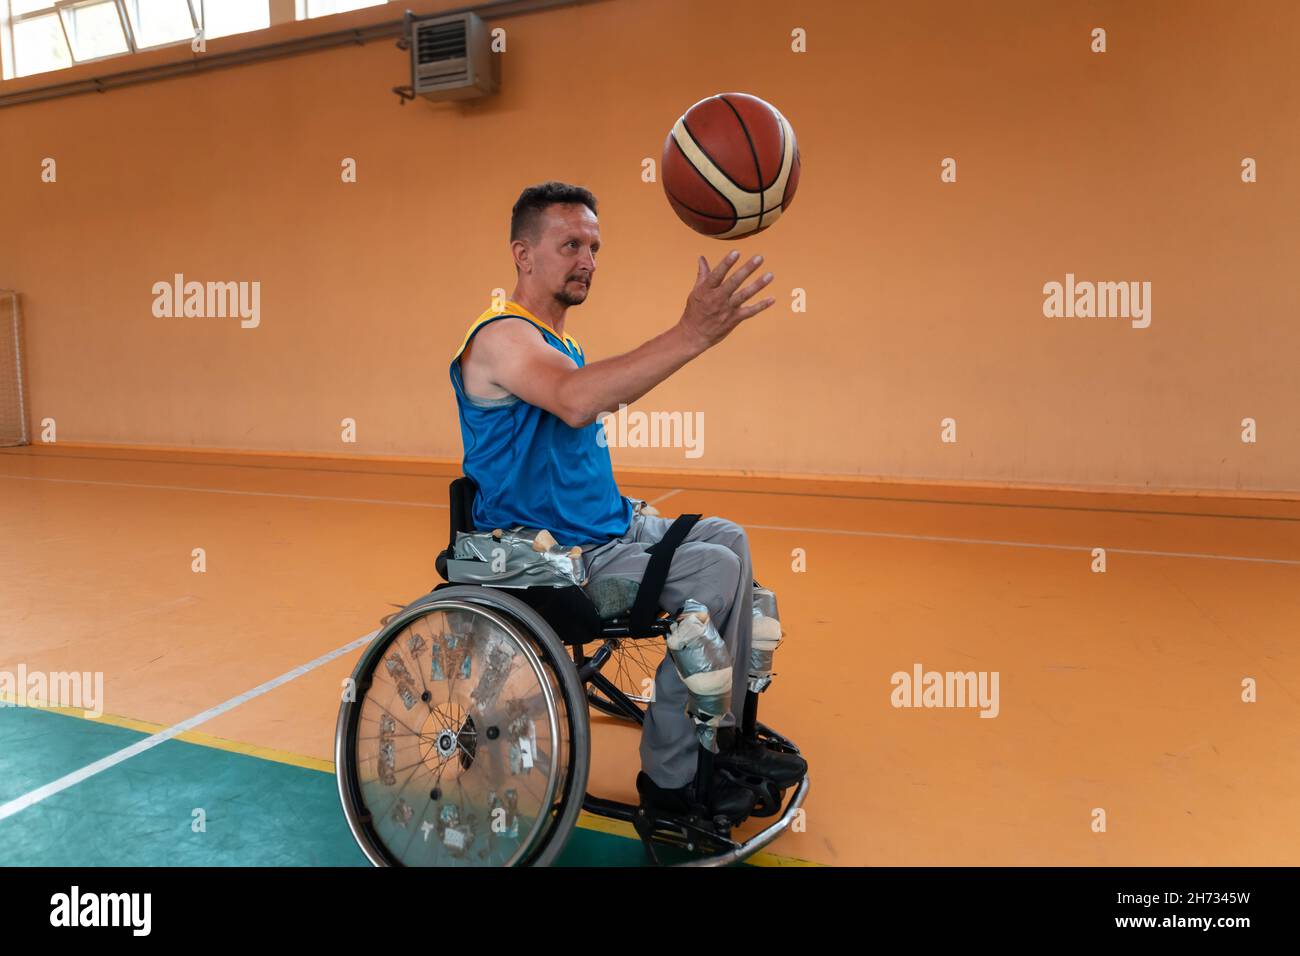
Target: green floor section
x: 37, y: 747
x: 142, y: 811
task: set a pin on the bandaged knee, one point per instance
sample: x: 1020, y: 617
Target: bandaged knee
x: 703, y: 662
x: 765, y: 639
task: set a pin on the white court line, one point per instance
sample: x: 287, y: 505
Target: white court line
x: 677, y: 491
x: 761, y: 527
x: 1023, y: 544
x: 30, y: 799
x: 226, y: 491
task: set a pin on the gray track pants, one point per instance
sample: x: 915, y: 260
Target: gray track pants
x: 712, y: 565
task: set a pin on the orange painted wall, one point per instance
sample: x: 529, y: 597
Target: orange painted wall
x: 924, y: 299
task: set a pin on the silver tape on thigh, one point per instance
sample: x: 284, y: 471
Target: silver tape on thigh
x: 518, y: 558
x: 703, y: 663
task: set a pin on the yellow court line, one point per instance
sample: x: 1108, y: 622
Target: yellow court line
x: 588, y: 821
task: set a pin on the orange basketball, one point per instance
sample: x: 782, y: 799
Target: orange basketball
x: 730, y: 166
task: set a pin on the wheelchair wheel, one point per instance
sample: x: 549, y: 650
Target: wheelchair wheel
x: 631, y: 668
x: 467, y: 743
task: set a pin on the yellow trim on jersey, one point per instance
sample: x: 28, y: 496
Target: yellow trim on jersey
x: 511, y: 307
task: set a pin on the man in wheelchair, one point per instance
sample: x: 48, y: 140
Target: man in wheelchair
x: 529, y: 403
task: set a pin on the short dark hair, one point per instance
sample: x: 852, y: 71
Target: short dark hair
x: 534, y: 200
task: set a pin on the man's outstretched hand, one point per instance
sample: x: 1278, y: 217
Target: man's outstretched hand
x: 717, y: 303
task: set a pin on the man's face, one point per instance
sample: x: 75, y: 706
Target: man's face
x: 564, y: 254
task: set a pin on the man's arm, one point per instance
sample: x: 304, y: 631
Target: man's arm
x: 516, y: 359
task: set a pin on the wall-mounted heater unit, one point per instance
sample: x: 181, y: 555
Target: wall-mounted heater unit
x: 451, y: 58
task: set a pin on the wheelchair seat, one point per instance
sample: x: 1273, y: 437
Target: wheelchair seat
x: 569, y: 610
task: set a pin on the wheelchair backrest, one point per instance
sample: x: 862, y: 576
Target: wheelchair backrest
x: 461, y: 494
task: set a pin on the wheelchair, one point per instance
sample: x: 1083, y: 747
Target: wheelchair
x: 464, y: 739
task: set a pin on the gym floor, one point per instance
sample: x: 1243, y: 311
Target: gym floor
x: 1119, y: 690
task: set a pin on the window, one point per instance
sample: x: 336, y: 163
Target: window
x: 52, y: 34
x: 156, y: 22
x: 39, y: 45
x: 323, y: 8
x: 226, y: 17
x: 37, y: 36
x: 94, y: 30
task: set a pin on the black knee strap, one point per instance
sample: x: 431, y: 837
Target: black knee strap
x: 646, y: 607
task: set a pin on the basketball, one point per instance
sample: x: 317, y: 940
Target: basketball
x: 730, y: 166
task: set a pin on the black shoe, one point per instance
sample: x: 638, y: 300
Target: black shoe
x: 749, y: 756
x: 727, y: 799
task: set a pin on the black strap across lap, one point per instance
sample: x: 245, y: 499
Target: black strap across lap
x: 646, y: 607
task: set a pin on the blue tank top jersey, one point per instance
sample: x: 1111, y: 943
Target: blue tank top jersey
x: 531, y: 468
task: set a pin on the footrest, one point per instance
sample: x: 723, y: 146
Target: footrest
x: 693, y: 834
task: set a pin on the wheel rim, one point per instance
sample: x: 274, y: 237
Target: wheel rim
x: 459, y: 740
x: 631, y: 668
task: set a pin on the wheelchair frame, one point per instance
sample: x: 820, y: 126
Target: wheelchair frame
x: 574, y: 627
